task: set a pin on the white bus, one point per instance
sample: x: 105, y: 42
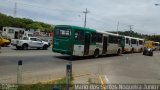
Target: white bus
x: 79, y: 41
x: 13, y: 32
x: 137, y: 44
x: 157, y: 46
x: 133, y: 44
x: 112, y: 45
x: 127, y: 45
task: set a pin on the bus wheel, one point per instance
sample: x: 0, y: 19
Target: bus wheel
x: 141, y: 50
x: 96, y: 53
x: 118, y: 52
x: 132, y: 51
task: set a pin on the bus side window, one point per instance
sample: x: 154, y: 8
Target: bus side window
x: 97, y: 37
x: 127, y: 41
x: 133, y: 41
x: 93, y: 37
x: 141, y: 42
x: 79, y: 35
x: 113, y: 39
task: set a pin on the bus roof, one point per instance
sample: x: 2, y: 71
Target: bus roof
x: 149, y: 41
x: 133, y: 37
x: 111, y: 34
x: 77, y: 27
x: 82, y: 28
x: 139, y: 38
x: 98, y: 31
x: 156, y: 42
x: 108, y: 33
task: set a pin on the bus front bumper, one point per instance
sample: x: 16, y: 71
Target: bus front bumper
x: 62, y: 51
x: 126, y: 50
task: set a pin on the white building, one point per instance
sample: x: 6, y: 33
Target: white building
x: 28, y: 34
x: 13, y: 32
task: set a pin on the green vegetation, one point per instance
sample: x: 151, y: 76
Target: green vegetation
x: 38, y: 86
x: 23, y: 23
x: 138, y: 35
x: 60, y: 84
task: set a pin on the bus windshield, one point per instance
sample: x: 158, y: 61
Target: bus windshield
x: 156, y: 44
x: 62, y: 31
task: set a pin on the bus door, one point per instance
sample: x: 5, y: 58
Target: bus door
x: 130, y: 45
x: 87, y: 43
x: 105, y: 43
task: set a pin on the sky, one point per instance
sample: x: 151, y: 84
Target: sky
x: 104, y: 15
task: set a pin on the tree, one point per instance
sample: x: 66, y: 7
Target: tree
x: 24, y: 23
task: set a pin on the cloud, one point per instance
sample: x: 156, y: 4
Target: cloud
x: 104, y: 14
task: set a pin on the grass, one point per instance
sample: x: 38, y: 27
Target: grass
x: 38, y: 86
x: 59, y: 84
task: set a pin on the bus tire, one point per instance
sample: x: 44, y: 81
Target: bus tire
x: 96, y: 53
x: 132, y: 51
x: 141, y: 50
x: 118, y: 52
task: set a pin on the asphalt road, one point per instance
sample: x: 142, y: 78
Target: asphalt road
x: 41, y: 65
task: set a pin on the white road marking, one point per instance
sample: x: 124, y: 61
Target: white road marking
x: 127, y: 58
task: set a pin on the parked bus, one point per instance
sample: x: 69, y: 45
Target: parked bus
x: 79, y: 41
x: 132, y: 44
x: 12, y: 32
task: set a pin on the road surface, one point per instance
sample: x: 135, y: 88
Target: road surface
x: 43, y: 65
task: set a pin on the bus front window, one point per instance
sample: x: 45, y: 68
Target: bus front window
x: 62, y: 31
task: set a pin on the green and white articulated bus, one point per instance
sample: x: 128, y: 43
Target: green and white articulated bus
x: 79, y: 41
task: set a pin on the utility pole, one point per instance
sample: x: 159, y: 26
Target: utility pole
x: 117, y: 26
x: 15, y: 10
x: 130, y: 28
x: 85, y: 13
x: 154, y: 37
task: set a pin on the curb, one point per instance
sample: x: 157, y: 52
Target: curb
x: 53, y: 80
